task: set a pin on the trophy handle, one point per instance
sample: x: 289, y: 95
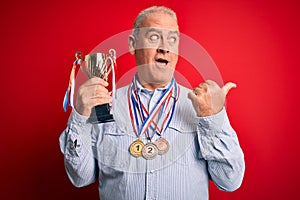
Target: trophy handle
x: 112, y: 53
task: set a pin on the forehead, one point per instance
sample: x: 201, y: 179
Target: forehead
x: 160, y: 20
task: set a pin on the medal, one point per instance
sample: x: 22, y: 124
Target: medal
x: 162, y: 145
x: 154, y: 121
x: 136, y: 148
x: 150, y: 151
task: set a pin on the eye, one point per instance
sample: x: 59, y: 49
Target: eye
x: 173, y: 39
x: 154, y: 37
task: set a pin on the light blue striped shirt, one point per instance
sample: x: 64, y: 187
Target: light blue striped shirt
x: 201, y: 148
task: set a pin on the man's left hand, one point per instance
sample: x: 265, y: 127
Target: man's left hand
x: 208, y: 98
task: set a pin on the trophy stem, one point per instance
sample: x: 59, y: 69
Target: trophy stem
x: 101, y: 114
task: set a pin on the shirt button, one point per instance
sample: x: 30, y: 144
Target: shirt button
x: 152, y: 171
x: 79, y: 124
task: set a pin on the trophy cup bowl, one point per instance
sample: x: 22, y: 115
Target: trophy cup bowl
x: 100, y: 65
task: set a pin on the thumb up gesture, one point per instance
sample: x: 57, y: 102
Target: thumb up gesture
x: 208, y: 98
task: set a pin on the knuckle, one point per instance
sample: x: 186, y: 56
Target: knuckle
x: 201, y: 84
x: 84, y: 101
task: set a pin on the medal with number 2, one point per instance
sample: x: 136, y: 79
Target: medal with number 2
x: 150, y: 151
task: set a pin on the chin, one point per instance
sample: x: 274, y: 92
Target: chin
x: 161, y: 80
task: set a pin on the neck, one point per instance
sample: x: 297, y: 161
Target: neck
x: 152, y: 86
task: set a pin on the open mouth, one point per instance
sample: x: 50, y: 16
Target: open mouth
x: 162, y: 61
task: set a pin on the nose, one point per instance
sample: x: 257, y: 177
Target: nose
x: 161, y: 50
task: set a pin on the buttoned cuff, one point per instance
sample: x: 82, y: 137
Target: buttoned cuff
x: 77, y: 136
x: 211, y: 124
x: 78, y: 123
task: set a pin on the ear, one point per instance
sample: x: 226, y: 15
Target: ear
x: 131, y: 44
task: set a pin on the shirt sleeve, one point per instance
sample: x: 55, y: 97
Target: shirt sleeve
x: 219, y: 146
x: 76, y: 145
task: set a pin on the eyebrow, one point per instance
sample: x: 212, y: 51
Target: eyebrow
x: 159, y: 31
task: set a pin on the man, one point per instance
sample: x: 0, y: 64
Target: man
x: 167, y: 141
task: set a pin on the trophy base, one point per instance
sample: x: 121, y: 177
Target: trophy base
x: 101, y: 114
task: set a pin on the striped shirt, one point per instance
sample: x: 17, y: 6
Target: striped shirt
x: 201, y: 148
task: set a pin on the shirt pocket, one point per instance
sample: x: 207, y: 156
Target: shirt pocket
x: 118, y: 137
x: 113, y: 149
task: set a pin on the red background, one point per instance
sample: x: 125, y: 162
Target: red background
x: 254, y: 43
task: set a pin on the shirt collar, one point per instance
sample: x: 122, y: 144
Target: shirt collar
x: 140, y: 88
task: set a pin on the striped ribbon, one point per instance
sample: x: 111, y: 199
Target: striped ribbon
x: 163, y: 111
x: 70, y: 90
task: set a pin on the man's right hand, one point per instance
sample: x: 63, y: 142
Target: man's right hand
x: 90, y: 94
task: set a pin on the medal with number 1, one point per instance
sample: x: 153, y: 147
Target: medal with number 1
x: 136, y: 148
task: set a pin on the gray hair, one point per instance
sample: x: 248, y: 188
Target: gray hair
x: 147, y: 12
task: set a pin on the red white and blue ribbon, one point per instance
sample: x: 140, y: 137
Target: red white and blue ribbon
x: 159, y: 118
x: 70, y: 90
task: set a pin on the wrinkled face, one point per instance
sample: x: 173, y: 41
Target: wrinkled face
x: 156, y: 50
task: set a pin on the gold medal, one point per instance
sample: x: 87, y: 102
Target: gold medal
x: 150, y: 151
x: 136, y: 148
x: 162, y: 145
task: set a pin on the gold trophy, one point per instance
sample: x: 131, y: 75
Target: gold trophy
x: 100, y: 65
